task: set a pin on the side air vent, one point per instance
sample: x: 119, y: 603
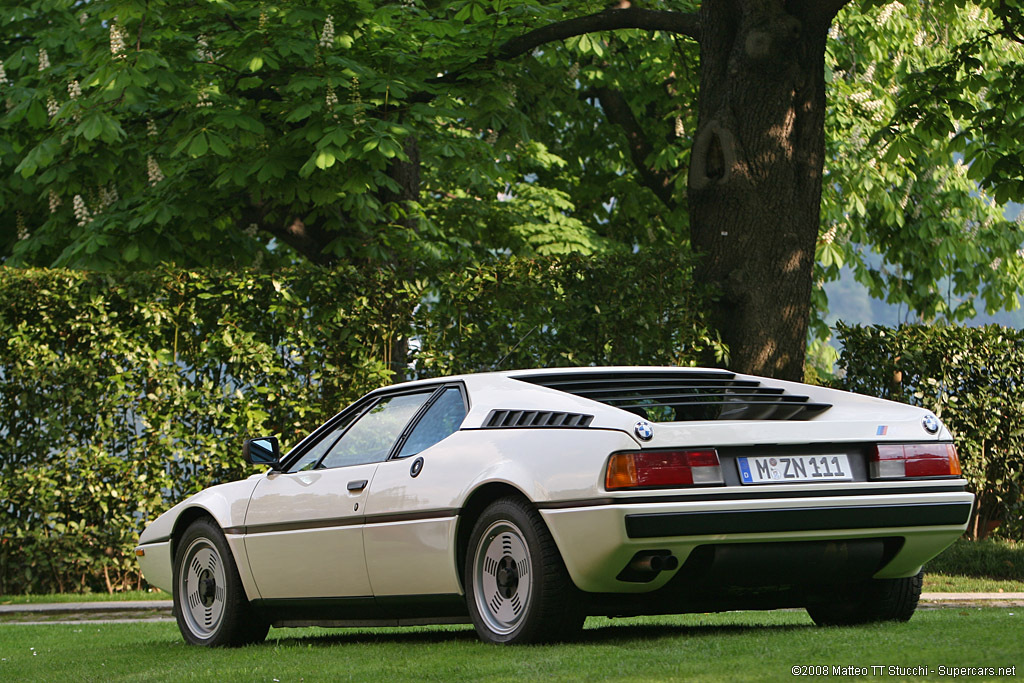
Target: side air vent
x: 662, y: 396
x: 504, y: 419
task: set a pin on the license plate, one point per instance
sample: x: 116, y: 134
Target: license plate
x: 794, y: 468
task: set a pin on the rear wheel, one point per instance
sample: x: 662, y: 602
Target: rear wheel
x: 209, y: 600
x: 869, y: 602
x: 517, y: 587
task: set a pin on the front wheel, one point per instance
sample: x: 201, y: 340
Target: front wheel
x: 209, y: 601
x: 869, y: 602
x: 517, y: 587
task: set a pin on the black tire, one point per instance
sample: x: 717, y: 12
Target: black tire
x: 517, y: 587
x: 209, y: 601
x: 870, y: 602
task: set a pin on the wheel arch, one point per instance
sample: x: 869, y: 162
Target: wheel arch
x: 474, y: 506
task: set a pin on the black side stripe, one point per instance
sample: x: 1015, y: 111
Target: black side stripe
x: 338, y: 522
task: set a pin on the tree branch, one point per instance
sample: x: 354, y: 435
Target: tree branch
x: 608, y: 20
x: 618, y: 111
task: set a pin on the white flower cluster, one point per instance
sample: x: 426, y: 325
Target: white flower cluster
x: 830, y: 236
x: 834, y: 31
x: 22, y: 230
x: 151, y: 127
x: 919, y: 38
x: 3, y: 74
x: 331, y: 100
x: 883, y: 17
x: 74, y: 90
x: 680, y: 128
x: 359, y: 115
x: 860, y: 97
x: 869, y: 73
x: 996, y: 262
x: 512, y: 90
x: 907, y: 187
x: 263, y: 19
x: 52, y: 107
x: 82, y: 18
x: 44, y: 60
x: 81, y: 211
x: 1020, y: 253
x: 203, y: 99
x: 573, y: 71
x: 203, y: 49
x: 491, y: 137
x: 117, y: 46
x: 54, y: 202
x: 153, y: 171
x: 251, y: 230
x: 974, y: 13
x: 107, y: 196
x: 327, y: 35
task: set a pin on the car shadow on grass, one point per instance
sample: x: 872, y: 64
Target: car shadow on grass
x: 604, y: 633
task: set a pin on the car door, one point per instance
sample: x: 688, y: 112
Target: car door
x: 410, y: 523
x: 304, y: 527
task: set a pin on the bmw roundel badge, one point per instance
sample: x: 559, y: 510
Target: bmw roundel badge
x: 644, y: 430
x: 931, y: 424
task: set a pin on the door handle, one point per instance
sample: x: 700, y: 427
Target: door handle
x: 357, y: 485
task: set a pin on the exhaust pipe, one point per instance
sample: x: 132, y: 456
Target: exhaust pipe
x: 654, y: 562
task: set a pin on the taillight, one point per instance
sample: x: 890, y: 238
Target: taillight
x: 903, y: 461
x: 641, y: 469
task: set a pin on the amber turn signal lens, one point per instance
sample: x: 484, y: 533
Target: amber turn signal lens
x: 621, y: 472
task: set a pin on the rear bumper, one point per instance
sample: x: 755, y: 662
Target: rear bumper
x: 661, y: 524
x: 598, y: 539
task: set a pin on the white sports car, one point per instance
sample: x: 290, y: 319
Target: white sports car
x: 526, y: 500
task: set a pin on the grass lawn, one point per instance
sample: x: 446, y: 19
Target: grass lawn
x: 751, y: 646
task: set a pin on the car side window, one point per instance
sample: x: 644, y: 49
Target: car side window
x: 312, y: 456
x: 441, y: 419
x: 370, y: 439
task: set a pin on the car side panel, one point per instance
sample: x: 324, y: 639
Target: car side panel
x: 304, y: 534
x: 412, y: 521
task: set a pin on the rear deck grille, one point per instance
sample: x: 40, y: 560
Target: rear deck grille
x: 662, y: 396
x: 503, y: 419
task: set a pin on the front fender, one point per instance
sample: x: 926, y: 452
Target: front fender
x: 225, y: 503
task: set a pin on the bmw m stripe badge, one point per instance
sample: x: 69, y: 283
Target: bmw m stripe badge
x: 882, y: 429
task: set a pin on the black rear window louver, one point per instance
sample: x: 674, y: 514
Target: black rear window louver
x: 683, y: 396
x: 503, y: 419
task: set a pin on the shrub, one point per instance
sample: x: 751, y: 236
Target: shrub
x: 971, y: 378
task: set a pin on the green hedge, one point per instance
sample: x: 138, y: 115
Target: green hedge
x: 120, y: 395
x: 631, y: 309
x: 971, y: 377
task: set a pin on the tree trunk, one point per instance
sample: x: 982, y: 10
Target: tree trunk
x: 755, y: 175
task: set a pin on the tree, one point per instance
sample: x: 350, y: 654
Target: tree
x: 397, y: 131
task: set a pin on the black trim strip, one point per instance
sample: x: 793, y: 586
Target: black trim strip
x: 162, y: 539
x: 748, y: 494
x: 336, y: 522
x: 795, y: 519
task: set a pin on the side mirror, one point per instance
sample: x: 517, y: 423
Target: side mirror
x: 264, y: 450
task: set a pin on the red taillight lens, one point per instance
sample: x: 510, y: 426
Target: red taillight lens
x: 903, y: 461
x: 641, y: 469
